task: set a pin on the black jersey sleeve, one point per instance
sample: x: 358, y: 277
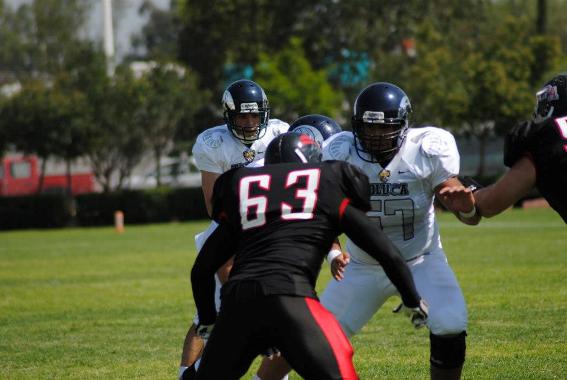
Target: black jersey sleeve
x: 221, y: 193
x: 360, y: 229
x: 357, y: 186
x: 517, y: 141
x: 216, y: 251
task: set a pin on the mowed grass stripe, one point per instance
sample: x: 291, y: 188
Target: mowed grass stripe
x: 77, y: 303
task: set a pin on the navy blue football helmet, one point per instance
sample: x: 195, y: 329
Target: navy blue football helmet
x: 292, y: 147
x: 318, y: 127
x: 551, y: 100
x: 246, y: 97
x: 380, y: 121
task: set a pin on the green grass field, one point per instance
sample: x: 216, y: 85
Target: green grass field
x: 91, y: 303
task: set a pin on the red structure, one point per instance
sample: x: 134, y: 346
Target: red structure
x: 19, y: 175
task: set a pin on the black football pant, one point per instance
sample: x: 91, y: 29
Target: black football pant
x: 307, y: 334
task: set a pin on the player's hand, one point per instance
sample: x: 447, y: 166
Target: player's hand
x: 457, y: 198
x: 418, y: 315
x: 338, y: 266
x: 204, y: 331
x: 271, y: 353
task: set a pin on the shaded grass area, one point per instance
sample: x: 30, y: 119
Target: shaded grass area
x: 78, y: 303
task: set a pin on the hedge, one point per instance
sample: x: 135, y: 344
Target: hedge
x: 141, y: 206
x: 97, y: 209
x: 36, y: 211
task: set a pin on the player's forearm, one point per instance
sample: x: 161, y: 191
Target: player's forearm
x: 372, y: 240
x: 508, y: 190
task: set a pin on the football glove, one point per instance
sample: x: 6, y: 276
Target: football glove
x: 516, y: 142
x: 418, y: 315
x: 204, y: 331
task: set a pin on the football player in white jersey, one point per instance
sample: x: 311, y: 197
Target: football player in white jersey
x: 239, y: 142
x: 407, y: 168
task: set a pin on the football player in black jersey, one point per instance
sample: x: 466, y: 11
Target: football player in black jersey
x: 536, y: 153
x: 279, y: 221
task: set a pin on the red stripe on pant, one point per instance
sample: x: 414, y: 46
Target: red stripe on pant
x: 335, y: 336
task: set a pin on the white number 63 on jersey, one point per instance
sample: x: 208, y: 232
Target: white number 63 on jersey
x: 260, y: 203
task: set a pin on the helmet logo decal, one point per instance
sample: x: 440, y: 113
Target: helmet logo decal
x: 310, y: 131
x: 405, y: 106
x: 373, y: 117
x: 248, y: 107
x: 306, y: 140
x: 384, y: 175
x: 249, y: 155
x: 228, y: 101
x: 549, y: 93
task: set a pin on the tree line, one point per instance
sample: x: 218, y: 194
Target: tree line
x: 470, y: 66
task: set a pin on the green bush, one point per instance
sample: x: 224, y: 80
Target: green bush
x: 36, y: 211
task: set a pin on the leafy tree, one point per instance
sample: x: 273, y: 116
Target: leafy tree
x: 293, y: 87
x: 117, y: 141
x: 38, y: 36
x: 4, y: 123
x: 440, y: 95
x: 233, y: 31
x: 165, y: 101
x: 39, y: 120
x: 158, y: 38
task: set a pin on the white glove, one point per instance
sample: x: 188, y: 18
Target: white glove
x: 204, y: 331
x: 418, y: 315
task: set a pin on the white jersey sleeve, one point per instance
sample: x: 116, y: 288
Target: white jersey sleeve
x: 276, y: 127
x: 208, y: 149
x: 439, y: 148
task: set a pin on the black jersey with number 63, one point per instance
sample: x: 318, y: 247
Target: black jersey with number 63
x: 286, y: 217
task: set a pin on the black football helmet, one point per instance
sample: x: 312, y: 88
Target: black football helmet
x: 292, y: 147
x: 551, y: 100
x: 380, y: 121
x: 246, y: 97
x: 318, y: 127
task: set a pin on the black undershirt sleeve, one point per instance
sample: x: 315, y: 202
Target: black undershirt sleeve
x: 215, y: 252
x: 365, y: 234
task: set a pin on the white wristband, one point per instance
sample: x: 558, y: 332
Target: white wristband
x: 468, y: 215
x: 333, y: 254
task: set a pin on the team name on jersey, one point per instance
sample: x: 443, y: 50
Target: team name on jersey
x: 384, y: 189
x: 239, y: 165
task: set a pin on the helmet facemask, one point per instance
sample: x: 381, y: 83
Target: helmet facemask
x: 378, y: 137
